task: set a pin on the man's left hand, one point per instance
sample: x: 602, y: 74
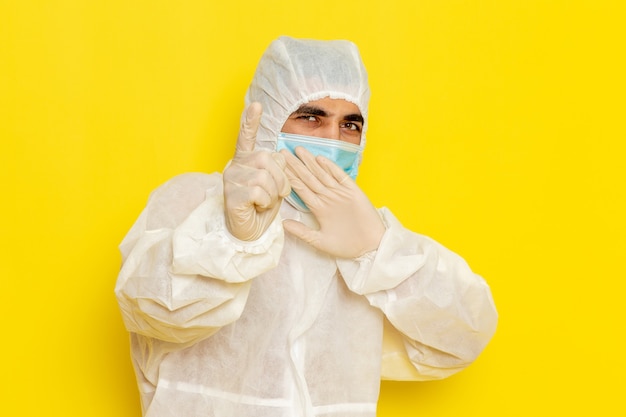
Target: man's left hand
x: 350, y: 225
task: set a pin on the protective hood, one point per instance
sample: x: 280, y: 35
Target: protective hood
x: 293, y: 72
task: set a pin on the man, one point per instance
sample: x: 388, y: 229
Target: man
x: 231, y: 316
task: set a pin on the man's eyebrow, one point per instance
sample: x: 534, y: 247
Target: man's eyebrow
x: 312, y: 110
x: 355, y: 118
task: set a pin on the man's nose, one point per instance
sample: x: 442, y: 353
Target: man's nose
x: 331, y: 131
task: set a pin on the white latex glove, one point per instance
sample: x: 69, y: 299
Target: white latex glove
x: 349, y: 225
x: 254, y: 182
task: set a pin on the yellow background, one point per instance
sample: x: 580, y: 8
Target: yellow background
x: 497, y: 128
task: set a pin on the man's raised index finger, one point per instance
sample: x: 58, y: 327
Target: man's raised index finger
x: 249, y: 128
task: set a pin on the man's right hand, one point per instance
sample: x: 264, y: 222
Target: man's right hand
x: 254, y: 183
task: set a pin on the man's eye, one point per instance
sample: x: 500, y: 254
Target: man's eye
x: 308, y: 118
x: 352, y: 126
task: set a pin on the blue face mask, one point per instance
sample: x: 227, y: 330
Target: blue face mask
x: 346, y: 155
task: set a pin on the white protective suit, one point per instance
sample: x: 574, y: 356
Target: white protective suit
x: 272, y: 327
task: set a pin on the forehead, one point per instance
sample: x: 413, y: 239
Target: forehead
x: 334, y: 106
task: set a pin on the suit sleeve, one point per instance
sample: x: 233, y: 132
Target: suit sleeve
x: 183, y: 275
x: 439, y: 314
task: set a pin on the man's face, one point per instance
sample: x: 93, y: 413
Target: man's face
x: 327, y: 118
